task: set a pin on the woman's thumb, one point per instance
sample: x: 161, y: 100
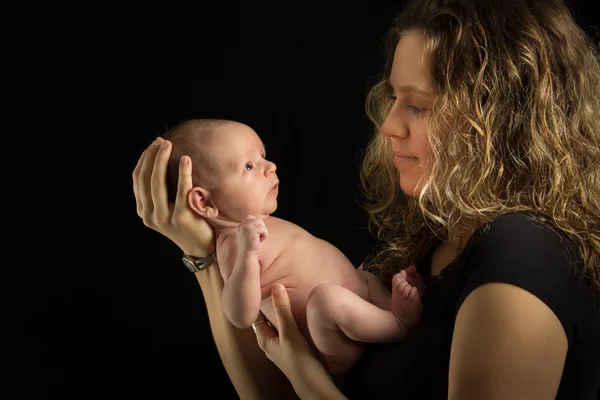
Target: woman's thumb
x: 283, y: 311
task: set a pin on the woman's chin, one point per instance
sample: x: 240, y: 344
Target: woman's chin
x: 407, y: 188
x: 410, y: 188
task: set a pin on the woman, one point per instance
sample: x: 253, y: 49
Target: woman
x: 485, y: 173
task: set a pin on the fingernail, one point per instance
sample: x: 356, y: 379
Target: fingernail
x: 164, y: 144
x: 279, y: 290
x: 185, y: 160
x: 156, y: 141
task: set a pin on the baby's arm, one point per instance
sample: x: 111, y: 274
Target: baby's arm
x: 241, y: 295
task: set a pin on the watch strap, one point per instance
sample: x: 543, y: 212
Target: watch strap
x: 195, y: 264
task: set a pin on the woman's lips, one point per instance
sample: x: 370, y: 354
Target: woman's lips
x: 400, y: 160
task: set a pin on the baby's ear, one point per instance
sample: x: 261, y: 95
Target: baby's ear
x: 200, y: 202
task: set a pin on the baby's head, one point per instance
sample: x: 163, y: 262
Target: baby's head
x: 193, y: 138
x: 230, y: 175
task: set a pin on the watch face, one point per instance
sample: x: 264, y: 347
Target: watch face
x: 198, y: 265
x: 189, y: 265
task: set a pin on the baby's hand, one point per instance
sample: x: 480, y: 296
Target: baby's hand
x: 250, y: 233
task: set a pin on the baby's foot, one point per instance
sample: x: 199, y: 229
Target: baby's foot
x: 414, y: 279
x: 406, y: 303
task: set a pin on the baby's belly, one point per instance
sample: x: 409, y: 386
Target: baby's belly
x: 301, y: 270
x: 298, y: 299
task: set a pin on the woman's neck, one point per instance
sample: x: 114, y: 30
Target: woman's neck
x: 459, y: 236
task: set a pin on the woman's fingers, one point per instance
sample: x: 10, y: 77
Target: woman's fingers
x: 281, y: 304
x: 136, y: 182
x: 190, y: 232
x: 144, y: 182
x: 288, y: 348
x: 268, y: 338
x: 266, y: 334
x: 184, y: 183
x: 158, y: 182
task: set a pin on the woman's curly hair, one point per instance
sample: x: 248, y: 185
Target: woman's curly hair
x: 515, y: 127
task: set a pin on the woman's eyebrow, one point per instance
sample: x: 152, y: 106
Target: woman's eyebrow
x: 411, y: 88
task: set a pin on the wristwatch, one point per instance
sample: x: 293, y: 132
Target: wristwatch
x: 198, y: 264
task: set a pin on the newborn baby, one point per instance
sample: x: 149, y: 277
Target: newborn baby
x: 337, y: 307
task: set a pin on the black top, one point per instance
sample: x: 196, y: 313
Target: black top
x: 514, y: 249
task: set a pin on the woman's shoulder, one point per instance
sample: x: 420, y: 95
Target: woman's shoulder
x: 522, y: 243
x: 521, y: 223
x: 526, y: 235
x: 520, y: 249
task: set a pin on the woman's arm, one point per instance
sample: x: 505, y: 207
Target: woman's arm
x: 507, y: 344
x: 292, y: 353
x: 252, y: 374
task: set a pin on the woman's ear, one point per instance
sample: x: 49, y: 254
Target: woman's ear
x: 200, y: 202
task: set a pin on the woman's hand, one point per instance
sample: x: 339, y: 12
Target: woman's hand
x: 174, y: 220
x: 292, y: 353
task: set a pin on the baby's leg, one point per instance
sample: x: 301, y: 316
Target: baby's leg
x: 406, y: 303
x: 378, y: 294
x: 339, y: 319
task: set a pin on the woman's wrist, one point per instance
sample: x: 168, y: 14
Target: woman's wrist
x: 316, y: 383
x: 197, y: 251
x: 320, y: 390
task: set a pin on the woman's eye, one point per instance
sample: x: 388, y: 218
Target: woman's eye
x: 248, y: 166
x: 415, y: 109
x: 393, y: 98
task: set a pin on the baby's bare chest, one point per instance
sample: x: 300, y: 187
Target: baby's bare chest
x: 301, y: 261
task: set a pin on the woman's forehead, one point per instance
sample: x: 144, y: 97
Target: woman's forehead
x: 410, y: 70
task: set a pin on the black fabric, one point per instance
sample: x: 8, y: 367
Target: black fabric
x: 513, y: 249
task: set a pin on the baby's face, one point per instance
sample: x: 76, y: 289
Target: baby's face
x: 246, y: 181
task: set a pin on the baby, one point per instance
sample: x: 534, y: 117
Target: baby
x: 337, y: 307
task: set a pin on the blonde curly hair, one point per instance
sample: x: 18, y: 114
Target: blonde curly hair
x: 515, y: 127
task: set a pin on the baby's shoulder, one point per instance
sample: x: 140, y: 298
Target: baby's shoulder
x: 281, y: 226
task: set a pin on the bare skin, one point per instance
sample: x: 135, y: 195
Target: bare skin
x: 507, y: 343
x: 282, y: 365
x: 252, y: 374
x: 337, y: 308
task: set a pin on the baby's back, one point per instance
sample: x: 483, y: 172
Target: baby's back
x: 301, y: 261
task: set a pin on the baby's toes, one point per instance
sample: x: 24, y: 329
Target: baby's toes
x: 400, y: 286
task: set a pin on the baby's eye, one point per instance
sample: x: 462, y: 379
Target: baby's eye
x: 248, y: 166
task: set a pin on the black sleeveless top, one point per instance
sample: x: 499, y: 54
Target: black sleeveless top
x: 512, y: 249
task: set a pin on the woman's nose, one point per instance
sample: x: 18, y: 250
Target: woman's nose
x: 394, y: 126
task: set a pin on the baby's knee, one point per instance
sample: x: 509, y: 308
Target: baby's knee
x: 324, y: 299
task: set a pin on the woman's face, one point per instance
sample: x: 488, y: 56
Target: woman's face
x: 406, y: 124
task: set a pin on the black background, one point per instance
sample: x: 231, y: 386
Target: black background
x: 103, y: 306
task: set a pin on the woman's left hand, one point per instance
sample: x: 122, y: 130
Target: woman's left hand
x: 292, y: 353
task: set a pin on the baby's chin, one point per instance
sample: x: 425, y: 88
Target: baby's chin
x: 274, y: 208
x: 257, y: 214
